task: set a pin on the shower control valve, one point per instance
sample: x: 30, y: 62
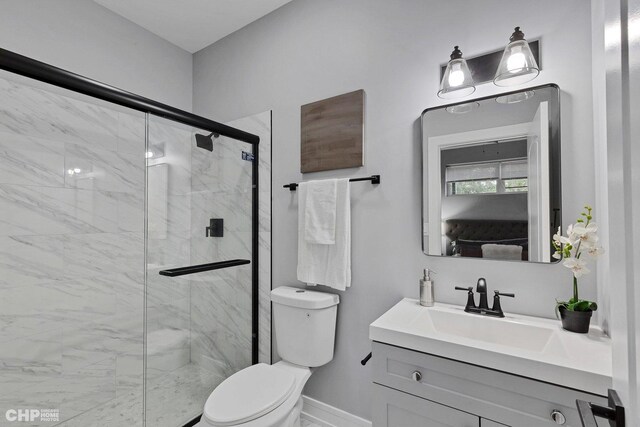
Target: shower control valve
x: 215, y: 228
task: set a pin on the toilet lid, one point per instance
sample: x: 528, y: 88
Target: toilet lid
x: 249, y: 394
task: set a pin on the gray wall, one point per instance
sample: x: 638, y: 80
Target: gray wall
x: 309, y: 50
x: 83, y: 37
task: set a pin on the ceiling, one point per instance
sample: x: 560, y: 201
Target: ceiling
x: 192, y: 24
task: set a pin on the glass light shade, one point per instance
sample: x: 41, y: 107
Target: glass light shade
x: 462, y: 108
x: 517, y: 65
x: 514, y: 98
x: 457, y: 81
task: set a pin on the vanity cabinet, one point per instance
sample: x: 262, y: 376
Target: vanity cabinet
x: 414, y: 389
x: 398, y: 409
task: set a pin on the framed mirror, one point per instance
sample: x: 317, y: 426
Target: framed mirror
x: 491, y: 176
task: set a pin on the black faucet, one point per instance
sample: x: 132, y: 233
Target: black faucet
x: 483, y: 307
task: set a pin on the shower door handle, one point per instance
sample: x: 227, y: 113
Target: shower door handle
x: 181, y: 271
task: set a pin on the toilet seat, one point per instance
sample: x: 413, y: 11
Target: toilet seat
x: 249, y: 394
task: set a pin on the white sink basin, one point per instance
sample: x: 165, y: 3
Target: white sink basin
x: 487, y: 329
x: 523, y: 345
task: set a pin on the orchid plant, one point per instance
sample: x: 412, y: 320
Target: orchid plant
x: 581, y: 239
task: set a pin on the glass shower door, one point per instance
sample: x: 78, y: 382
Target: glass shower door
x: 71, y: 258
x: 199, y: 324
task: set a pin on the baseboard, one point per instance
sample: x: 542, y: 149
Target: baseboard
x: 329, y: 416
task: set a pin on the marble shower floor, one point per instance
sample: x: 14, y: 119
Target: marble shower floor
x: 173, y: 399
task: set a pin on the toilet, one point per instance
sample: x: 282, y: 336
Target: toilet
x: 271, y: 395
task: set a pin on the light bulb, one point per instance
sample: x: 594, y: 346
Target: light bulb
x: 77, y: 170
x: 148, y: 154
x: 516, y: 61
x: 456, y: 77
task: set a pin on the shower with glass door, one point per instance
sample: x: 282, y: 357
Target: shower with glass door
x: 128, y: 253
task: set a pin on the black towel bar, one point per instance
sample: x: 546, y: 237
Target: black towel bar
x: 375, y: 179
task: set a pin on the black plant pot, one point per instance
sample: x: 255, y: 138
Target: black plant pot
x: 575, y: 321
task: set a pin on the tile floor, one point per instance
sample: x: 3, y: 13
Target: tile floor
x: 186, y: 388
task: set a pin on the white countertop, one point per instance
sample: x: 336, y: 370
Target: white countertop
x: 522, y: 345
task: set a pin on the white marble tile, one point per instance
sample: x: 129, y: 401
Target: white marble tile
x: 36, y: 356
x: 94, y: 168
x: 31, y: 161
x: 132, y: 133
x: 29, y: 260
x: 260, y: 124
x: 264, y: 323
x: 234, y: 208
x: 88, y: 255
x: 178, y: 397
x: 30, y: 210
x: 124, y: 410
x: 221, y: 320
x: 222, y: 170
x: 44, y: 114
x: 130, y: 211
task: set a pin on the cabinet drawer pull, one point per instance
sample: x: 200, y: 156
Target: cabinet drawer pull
x: 417, y: 376
x: 558, y: 417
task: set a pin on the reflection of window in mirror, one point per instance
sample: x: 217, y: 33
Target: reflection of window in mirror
x: 491, y: 178
x: 495, y: 168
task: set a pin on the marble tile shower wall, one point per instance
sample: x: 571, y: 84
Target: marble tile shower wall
x: 72, y: 178
x: 169, y: 215
x: 221, y: 188
x: 260, y: 124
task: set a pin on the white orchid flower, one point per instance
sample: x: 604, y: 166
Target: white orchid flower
x: 559, y: 239
x: 577, y: 266
x: 595, y: 251
x: 585, y: 234
x: 581, y: 229
x: 557, y: 255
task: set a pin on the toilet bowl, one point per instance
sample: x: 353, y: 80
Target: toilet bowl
x: 259, y: 396
x: 271, y: 395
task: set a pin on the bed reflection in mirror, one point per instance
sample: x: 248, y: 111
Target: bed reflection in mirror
x: 491, y: 176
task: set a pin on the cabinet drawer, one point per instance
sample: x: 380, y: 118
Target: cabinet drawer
x: 392, y: 408
x: 504, y: 398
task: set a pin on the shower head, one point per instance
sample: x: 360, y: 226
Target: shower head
x: 206, y: 141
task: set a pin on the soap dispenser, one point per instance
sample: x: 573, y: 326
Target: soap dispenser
x: 426, y: 289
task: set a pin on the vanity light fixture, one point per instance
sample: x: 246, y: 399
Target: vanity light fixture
x: 456, y: 81
x: 518, y: 64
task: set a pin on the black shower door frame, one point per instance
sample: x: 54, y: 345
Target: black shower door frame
x: 31, y: 68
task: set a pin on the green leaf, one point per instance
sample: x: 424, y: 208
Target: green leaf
x: 558, y: 305
x: 580, y: 305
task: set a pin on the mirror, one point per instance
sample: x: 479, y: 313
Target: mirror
x: 491, y: 176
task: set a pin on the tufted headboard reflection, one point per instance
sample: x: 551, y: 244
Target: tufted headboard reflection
x: 466, y: 236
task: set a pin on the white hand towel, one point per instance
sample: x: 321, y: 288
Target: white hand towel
x: 328, y: 265
x: 320, y: 212
x: 505, y: 252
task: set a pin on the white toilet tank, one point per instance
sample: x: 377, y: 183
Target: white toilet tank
x: 304, y: 325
